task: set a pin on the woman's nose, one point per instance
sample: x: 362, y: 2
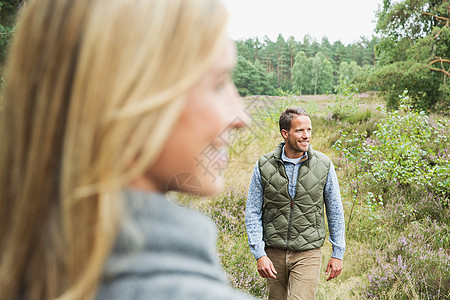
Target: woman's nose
x: 240, y: 116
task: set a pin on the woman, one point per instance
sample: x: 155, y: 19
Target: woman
x: 108, y: 105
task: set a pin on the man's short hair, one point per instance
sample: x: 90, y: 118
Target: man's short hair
x: 288, y: 115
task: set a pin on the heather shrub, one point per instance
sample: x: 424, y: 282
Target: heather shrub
x: 397, y: 189
x: 227, y: 211
x: 240, y: 265
x: 411, y: 268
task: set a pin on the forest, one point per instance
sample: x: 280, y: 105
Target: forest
x: 410, y: 51
x: 304, y: 67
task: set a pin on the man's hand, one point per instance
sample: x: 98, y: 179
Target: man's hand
x: 334, y: 267
x: 265, y: 267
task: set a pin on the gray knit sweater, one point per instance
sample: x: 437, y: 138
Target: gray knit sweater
x: 164, y: 251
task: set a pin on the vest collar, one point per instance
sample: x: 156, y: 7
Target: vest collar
x: 279, y: 151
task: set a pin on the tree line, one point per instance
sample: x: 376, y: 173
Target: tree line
x: 8, y: 12
x: 410, y: 53
x: 304, y: 67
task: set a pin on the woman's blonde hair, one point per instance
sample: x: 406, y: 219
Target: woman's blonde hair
x: 93, y: 89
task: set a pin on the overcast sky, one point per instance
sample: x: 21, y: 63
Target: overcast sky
x: 344, y: 20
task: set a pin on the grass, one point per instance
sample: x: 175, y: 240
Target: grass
x: 397, y: 232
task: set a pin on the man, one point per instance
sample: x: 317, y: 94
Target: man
x: 285, y: 212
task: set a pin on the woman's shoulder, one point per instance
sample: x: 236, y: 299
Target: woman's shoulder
x: 164, y: 251
x: 168, y: 287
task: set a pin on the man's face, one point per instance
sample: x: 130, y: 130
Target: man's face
x: 298, y: 137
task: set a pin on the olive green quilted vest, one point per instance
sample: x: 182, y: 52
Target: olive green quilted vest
x: 294, y: 224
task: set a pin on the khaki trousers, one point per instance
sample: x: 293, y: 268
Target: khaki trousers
x: 297, y: 274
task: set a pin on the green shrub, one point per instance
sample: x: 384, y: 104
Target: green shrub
x: 345, y: 103
x: 275, y: 106
x: 408, y: 150
x: 360, y: 116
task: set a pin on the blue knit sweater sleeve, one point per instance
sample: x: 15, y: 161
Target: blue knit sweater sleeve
x: 335, y: 214
x: 253, y: 215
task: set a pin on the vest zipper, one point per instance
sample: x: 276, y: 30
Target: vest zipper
x: 290, y: 212
x: 290, y: 224
x: 291, y: 208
